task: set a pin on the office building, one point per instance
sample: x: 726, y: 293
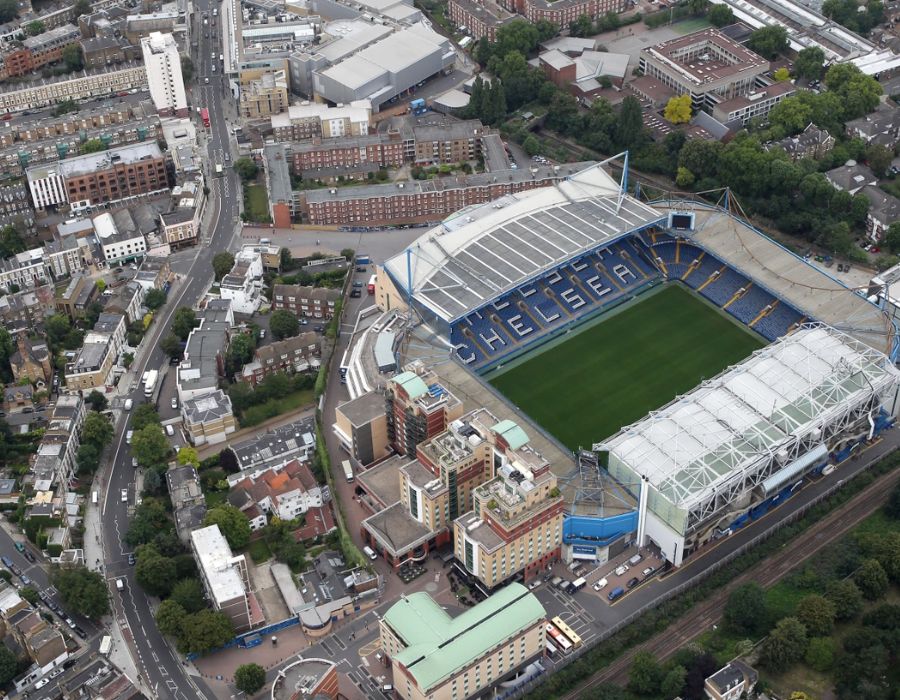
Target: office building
x: 437, y: 657
x: 225, y: 578
x: 164, y: 74
x: 707, y: 65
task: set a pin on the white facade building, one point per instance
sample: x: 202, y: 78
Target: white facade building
x: 164, y: 74
x: 46, y: 185
x: 117, y: 246
x: 243, y: 285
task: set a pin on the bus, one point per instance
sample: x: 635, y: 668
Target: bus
x: 204, y: 115
x: 558, y: 638
x: 348, y: 469
x: 105, y: 645
x: 567, y: 631
x: 371, y: 286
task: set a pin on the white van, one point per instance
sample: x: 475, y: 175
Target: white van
x: 370, y: 553
x: 636, y: 559
x: 170, y: 431
x: 128, y: 404
x: 120, y: 584
x: 95, y: 498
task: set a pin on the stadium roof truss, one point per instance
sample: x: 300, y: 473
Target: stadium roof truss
x: 704, y: 449
x: 483, y: 252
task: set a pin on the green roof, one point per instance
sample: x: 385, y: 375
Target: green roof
x: 412, y: 384
x: 515, y: 437
x: 437, y: 645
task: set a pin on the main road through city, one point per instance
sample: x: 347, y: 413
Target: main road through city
x: 160, y: 670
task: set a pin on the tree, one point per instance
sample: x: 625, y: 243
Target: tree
x: 188, y: 455
x: 205, y: 630
x: 171, y: 345
x: 785, y: 645
x: 240, y: 352
x: 631, y: 122
x: 817, y: 614
x: 810, y: 63
x: 684, y: 178
x: 283, y: 324
x: 846, y: 597
x: 8, y: 10
x: 29, y: 594
x: 531, y: 145
x: 83, y: 591
x: 97, y: 401
x: 187, y: 68
x: 879, y: 158
x: 149, y: 446
x: 184, y: 320
x: 7, y: 349
x: 673, y: 682
x: 746, y: 608
x: 155, y: 299
x: 781, y: 75
x: 81, y: 7
x: 96, y: 430
x: 35, y: 27
x: 583, y: 26
x: 8, y: 665
x: 645, y: 675
x: 720, y: 15
x: 188, y: 593
x: 11, y: 242
x: 820, y: 653
x: 232, y: 523
x: 249, y: 678
x: 871, y: 579
x: 145, y: 414
x: 149, y: 520
x: 222, y: 264
x: 73, y: 57
x: 769, y: 41
x: 678, y: 109
x: 246, y: 169
x: 858, y: 93
x: 87, y: 458
x: 170, y: 617
x: 155, y: 573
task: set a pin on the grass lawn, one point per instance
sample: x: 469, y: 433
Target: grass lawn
x: 691, y: 25
x: 257, y: 414
x: 256, y: 202
x: 615, y: 372
x: 259, y: 551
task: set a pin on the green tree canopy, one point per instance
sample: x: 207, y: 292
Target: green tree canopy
x: 73, y: 57
x: 188, y: 593
x: 871, y: 579
x: 817, y: 614
x: 673, y: 682
x: 204, y: 631
x: 222, y: 264
x: 769, y: 41
x: 171, y: 345
x: 246, y: 169
x: 9, y: 667
x: 809, y: 63
x: 184, y: 320
x: 81, y: 7
x: 188, y: 455
x: 92, y: 146
x: 846, y: 597
x: 155, y: 573
x: 155, y: 299
x: 8, y: 10
x: 11, y: 241
x: 149, y: 446
x: 87, y: 459
x: 820, y: 653
x: 35, y: 27
x: 96, y: 430
x: 645, y: 675
x: 249, y: 678
x: 144, y: 414
x: 746, y: 608
x: 170, y: 617
x: 232, y: 523
x: 187, y: 68
x: 97, y: 400
x: 83, y: 592
x: 720, y: 15
x: 785, y: 645
x: 150, y: 518
x: 283, y: 324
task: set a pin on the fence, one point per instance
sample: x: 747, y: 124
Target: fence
x: 533, y: 684
x: 262, y: 632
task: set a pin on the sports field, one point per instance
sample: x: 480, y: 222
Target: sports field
x: 613, y: 373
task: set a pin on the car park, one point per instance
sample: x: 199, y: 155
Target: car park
x: 632, y: 582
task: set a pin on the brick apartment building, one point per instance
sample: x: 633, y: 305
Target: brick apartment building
x: 297, y: 354
x: 313, y: 302
x: 482, y: 18
x: 425, y: 200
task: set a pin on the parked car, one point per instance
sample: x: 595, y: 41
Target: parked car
x: 174, y: 402
x: 28, y: 555
x: 124, y: 495
x: 80, y: 632
x: 128, y: 436
x: 534, y: 584
x: 355, y: 294
x: 130, y: 559
x: 632, y: 582
x: 25, y: 580
x: 70, y: 622
x: 600, y: 585
x: 649, y: 570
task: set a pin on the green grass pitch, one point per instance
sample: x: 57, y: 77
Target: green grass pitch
x: 613, y: 373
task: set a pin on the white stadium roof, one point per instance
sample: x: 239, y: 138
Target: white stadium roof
x: 487, y: 250
x: 737, y: 421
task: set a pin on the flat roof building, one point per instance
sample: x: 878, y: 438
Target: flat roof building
x: 439, y: 657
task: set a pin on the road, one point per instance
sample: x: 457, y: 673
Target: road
x: 160, y: 670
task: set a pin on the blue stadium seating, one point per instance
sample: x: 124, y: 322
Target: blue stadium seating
x: 721, y: 289
x: 750, y: 304
x: 708, y: 265
x: 778, y: 322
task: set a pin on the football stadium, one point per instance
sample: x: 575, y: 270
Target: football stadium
x: 686, y: 358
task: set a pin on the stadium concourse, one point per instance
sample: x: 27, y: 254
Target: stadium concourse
x: 498, y: 280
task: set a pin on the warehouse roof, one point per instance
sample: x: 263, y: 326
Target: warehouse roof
x: 700, y: 441
x: 437, y: 646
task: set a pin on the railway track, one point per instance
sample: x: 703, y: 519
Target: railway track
x: 694, y: 623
